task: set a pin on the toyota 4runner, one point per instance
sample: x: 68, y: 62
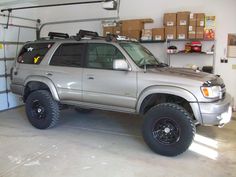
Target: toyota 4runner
x: 118, y: 75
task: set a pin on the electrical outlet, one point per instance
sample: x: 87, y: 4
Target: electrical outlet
x: 223, y: 60
x: 234, y: 66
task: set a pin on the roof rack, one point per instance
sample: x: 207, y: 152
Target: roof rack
x: 52, y: 35
x: 90, y: 34
x: 84, y: 33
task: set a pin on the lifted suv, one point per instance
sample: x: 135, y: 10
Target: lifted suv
x: 120, y: 76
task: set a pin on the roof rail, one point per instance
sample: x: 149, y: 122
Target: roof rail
x: 52, y: 35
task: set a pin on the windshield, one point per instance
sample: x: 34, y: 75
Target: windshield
x: 140, y: 55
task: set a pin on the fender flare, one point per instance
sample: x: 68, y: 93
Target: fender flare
x: 46, y: 81
x: 177, y: 91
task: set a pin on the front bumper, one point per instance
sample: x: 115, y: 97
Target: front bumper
x: 217, y: 113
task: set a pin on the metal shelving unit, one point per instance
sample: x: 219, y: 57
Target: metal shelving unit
x: 147, y: 42
x: 169, y: 55
x: 195, y: 54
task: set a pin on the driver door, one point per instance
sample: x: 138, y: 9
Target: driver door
x: 102, y: 84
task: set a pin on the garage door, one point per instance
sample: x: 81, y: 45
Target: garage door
x: 11, y: 41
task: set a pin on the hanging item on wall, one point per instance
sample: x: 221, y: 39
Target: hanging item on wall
x: 231, y: 49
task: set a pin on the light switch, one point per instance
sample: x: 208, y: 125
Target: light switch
x: 234, y: 66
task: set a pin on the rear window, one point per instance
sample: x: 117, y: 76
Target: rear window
x: 33, y: 53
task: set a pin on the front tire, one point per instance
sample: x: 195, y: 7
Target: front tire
x: 168, y: 129
x: 42, y: 110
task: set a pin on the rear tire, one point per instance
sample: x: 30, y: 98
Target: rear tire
x: 168, y: 129
x: 42, y: 110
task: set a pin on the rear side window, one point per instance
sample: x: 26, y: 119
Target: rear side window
x: 70, y: 55
x: 33, y: 53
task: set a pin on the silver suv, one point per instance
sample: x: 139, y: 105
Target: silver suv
x: 118, y: 75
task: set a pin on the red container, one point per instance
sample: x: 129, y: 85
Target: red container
x: 196, y: 46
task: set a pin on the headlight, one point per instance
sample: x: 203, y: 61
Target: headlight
x: 211, y: 92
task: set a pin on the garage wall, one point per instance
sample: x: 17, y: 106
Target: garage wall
x: 224, y: 11
x: 11, y: 41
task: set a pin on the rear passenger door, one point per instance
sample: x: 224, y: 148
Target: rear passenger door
x: 65, y: 70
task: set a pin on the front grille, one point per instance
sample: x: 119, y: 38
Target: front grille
x: 223, y: 95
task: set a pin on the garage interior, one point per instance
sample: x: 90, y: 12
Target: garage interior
x: 104, y: 143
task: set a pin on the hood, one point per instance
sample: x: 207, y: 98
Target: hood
x: 184, y: 73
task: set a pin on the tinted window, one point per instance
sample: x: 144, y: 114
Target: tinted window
x: 102, y: 56
x: 68, y: 55
x: 33, y: 53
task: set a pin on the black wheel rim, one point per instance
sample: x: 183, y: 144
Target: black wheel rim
x: 38, y: 110
x: 166, y: 131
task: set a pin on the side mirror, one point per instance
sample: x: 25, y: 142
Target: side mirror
x: 121, y: 64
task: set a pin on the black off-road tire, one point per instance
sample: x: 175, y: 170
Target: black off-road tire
x: 168, y: 129
x: 83, y: 110
x: 42, y: 110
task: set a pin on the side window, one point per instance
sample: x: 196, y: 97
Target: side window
x: 33, y: 53
x: 70, y: 55
x: 101, y: 56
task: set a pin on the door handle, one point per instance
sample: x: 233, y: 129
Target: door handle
x: 91, y: 78
x: 49, y: 74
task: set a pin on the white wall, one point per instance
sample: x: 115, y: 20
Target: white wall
x: 224, y: 10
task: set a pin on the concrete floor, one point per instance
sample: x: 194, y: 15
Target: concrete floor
x: 105, y: 144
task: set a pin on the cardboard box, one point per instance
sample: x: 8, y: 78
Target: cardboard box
x: 170, y: 32
x: 182, y: 32
x: 136, y: 24
x: 132, y: 25
x: 201, y: 19
x: 158, y: 34
x: 112, y: 30
x: 191, y: 28
x: 192, y: 34
x: 199, y: 32
x: 135, y: 34
x: 117, y: 30
x: 183, y: 18
x: 193, y: 19
x: 107, y: 30
x: 169, y: 19
x: 146, y: 35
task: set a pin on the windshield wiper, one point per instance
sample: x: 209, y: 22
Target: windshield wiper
x: 158, y: 65
x: 162, y: 65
